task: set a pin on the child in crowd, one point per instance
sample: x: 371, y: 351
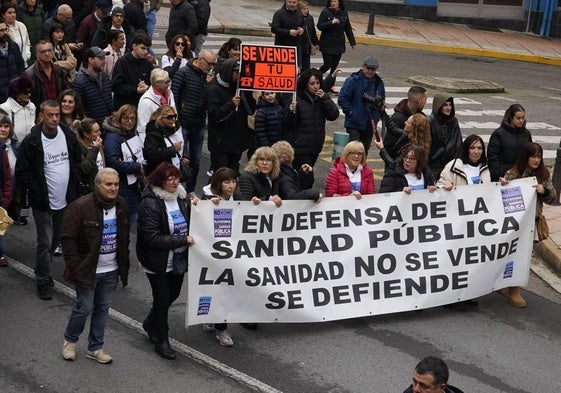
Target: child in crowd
x: 268, y: 119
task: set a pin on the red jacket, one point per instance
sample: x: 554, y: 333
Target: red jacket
x: 338, y: 182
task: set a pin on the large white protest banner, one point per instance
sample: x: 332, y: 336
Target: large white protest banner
x: 345, y: 258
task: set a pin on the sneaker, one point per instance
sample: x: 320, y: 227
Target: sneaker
x: 3, y: 261
x: 44, y: 291
x: 100, y: 355
x: 58, y: 251
x: 208, y: 327
x: 68, y: 350
x: 210, y: 172
x: 224, y: 338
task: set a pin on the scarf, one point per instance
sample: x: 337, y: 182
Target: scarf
x: 102, y: 201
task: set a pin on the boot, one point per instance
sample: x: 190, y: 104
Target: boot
x: 504, y: 292
x: 149, y: 328
x: 164, y: 350
x: 514, y: 297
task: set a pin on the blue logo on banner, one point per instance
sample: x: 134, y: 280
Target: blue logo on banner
x: 223, y: 222
x: 508, y: 269
x: 512, y: 200
x: 204, y: 305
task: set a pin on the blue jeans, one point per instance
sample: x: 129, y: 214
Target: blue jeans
x: 95, y: 302
x: 193, y: 148
x: 151, y: 22
x: 48, y: 225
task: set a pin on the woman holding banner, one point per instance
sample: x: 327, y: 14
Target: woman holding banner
x: 350, y: 174
x: 410, y: 173
x: 530, y: 163
x: 306, y: 118
x: 470, y: 167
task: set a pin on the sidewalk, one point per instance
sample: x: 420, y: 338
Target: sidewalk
x: 251, y: 17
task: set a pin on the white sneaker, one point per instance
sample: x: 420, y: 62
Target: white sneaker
x: 68, y: 350
x: 208, y: 327
x: 58, y: 251
x: 100, y: 355
x: 224, y: 338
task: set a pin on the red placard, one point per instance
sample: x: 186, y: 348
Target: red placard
x: 268, y: 67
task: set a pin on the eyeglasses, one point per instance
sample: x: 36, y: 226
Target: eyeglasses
x: 264, y: 160
x: 172, y: 179
x: 356, y: 153
x: 212, y: 64
x: 128, y: 119
x: 179, y: 43
x: 42, y: 52
x: 409, y: 159
x: 170, y: 117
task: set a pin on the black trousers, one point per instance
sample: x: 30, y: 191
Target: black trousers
x: 165, y: 289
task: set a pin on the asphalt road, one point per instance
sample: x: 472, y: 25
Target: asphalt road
x: 491, y: 348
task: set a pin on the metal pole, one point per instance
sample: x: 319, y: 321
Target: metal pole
x: 370, y: 26
x: 529, y: 16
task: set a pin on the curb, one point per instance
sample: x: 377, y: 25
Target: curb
x: 368, y: 40
x: 550, y: 253
x: 394, y: 43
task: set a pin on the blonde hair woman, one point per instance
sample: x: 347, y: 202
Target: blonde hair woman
x: 350, y: 174
x: 260, y: 181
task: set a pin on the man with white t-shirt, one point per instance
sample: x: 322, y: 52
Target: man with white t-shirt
x: 95, y: 243
x: 47, y: 167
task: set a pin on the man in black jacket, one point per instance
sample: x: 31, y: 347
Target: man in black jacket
x: 134, y: 13
x: 131, y: 75
x: 93, y: 86
x: 202, y: 10
x: 47, y: 168
x: 182, y: 19
x: 287, y: 26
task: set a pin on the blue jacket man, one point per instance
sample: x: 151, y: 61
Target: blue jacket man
x: 356, y: 99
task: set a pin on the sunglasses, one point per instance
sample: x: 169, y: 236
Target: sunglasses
x: 179, y: 44
x: 171, y: 117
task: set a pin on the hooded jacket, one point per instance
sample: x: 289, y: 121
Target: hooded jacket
x: 446, y: 136
x: 401, y: 113
x: 228, y: 131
